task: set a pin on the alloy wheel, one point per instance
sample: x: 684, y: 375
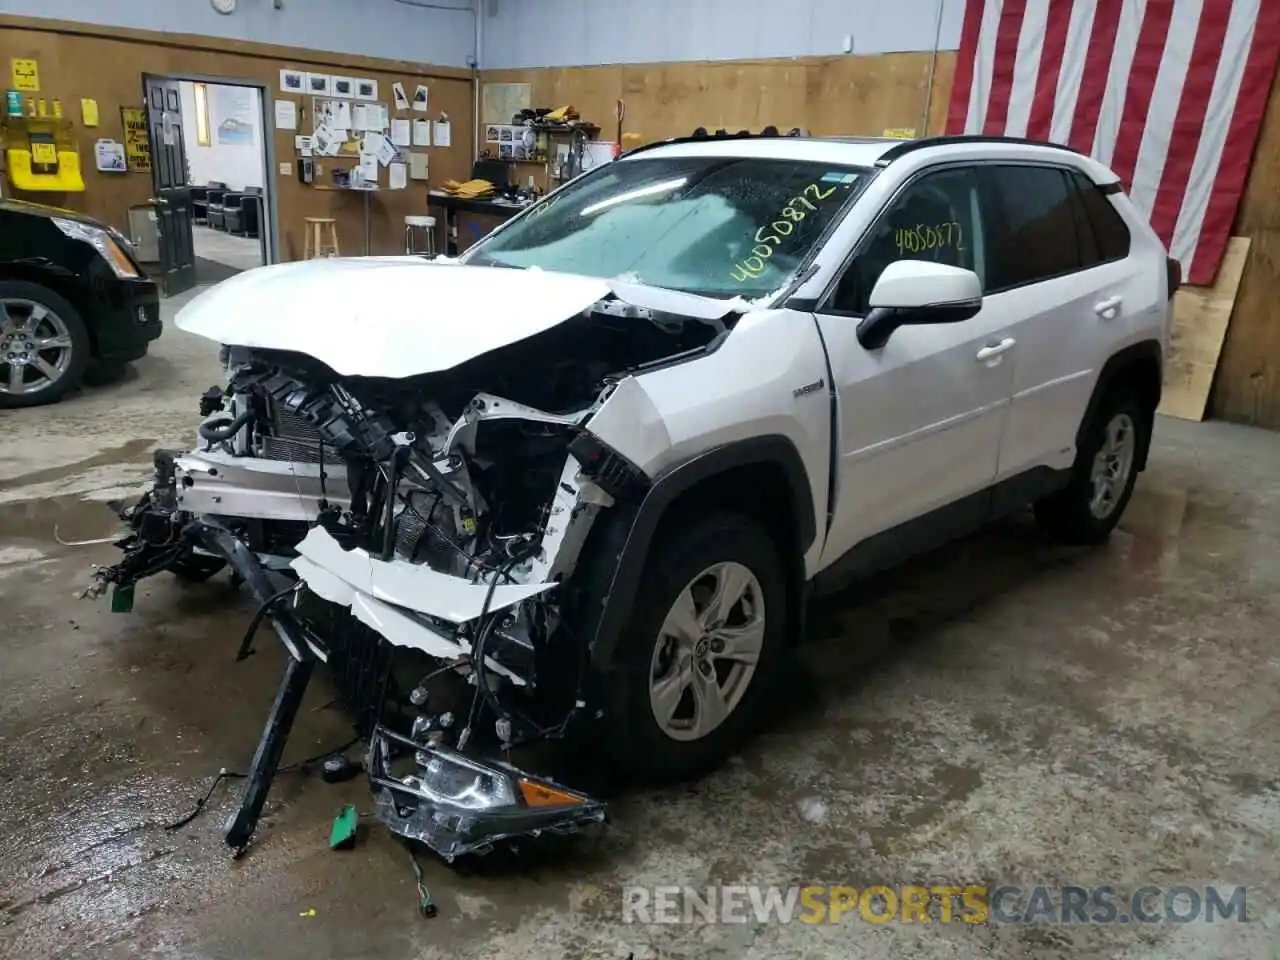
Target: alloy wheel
x: 706, y: 651
x: 35, y: 347
x: 1112, y: 465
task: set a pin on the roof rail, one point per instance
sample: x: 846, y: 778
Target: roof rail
x: 702, y: 136
x: 908, y: 146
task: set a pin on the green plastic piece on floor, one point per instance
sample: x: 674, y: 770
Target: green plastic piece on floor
x: 122, y: 599
x: 343, y: 834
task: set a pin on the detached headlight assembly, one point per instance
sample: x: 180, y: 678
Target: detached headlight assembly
x: 459, y: 805
x: 457, y: 782
x: 101, y: 241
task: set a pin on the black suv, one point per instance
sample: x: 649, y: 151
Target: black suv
x: 74, y: 303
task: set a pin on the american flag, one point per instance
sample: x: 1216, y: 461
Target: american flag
x: 1169, y: 94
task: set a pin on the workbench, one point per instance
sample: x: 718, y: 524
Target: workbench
x: 488, y: 214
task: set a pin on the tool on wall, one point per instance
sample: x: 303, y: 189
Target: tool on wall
x: 619, y: 112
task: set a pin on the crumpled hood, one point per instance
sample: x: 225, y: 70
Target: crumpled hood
x: 386, y: 316
x: 404, y: 316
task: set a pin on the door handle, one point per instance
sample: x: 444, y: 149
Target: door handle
x: 158, y: 201
x: 995, y: 349
x: 1108, y: 308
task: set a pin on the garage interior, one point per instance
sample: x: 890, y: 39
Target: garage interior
x: 999, y: 712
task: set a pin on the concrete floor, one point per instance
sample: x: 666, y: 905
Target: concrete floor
x: 243, y: 253
x: 1004, y: 712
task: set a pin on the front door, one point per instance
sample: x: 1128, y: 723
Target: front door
x: 921, y: 418
x: 172, y: 195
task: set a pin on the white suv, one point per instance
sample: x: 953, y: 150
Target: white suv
x: 601, y: 461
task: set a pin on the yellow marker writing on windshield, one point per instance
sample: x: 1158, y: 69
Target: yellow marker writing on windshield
x: 770, y: 236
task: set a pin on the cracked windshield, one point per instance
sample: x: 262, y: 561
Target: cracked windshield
x: 714, y: 226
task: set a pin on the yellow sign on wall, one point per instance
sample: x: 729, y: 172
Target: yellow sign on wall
x: 26, y: 75
x: 137, y: 146
x: 900, y: 133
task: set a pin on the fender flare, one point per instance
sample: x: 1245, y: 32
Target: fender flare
x: 1112, y: 370
x: 620, y: 591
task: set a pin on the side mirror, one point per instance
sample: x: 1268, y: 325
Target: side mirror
x: 913, y: 292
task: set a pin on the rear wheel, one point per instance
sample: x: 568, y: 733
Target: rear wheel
x: 44, y: 346
x: 1102, y: 479
x: 704, y: 640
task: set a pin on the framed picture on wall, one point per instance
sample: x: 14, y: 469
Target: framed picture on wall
x: 344, y: 87
x: 293, y: 81
x: 366, y: 89
x: 318, y: 84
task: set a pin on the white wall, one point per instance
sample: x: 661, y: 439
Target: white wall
x: 235, y: 164
x: 537, y: 33
x: 396, y: 29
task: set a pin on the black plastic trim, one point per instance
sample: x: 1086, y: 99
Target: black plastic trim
x: 665, y: 489
x: 1115, y: 186
x: 910, y: 146
x: 1145, y: 350
x: 708, y: 137
x: 935, y: 529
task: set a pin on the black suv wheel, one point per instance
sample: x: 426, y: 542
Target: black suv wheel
x: 1102, y: 479
x: 706, y: 633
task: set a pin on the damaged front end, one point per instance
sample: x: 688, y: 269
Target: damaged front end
x: 423, y: 529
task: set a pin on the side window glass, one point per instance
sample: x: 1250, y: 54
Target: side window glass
x: 1036, y: 236
x: 1085, y: 236
x: 1108, y: 226
x: 936, y: 218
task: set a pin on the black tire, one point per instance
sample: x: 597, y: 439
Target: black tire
x: 637, y: 744
x: 81, y: 348
x: 1067, y: 515
x: 105, y: 372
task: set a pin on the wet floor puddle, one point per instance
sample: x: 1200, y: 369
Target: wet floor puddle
x: 134, y: 450
x: 69, y: 519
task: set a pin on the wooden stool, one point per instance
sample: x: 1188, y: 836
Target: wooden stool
x: 320, y: 238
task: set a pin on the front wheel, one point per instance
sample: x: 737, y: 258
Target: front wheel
x: 44, y: 346
x: 1102, y: 479
x: 695, y: 663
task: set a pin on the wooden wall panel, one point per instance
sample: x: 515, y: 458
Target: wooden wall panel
x: 78, y: 60
x: 1247, y: 386
x: 830, y: 96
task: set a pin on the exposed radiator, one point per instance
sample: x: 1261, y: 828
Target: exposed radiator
x: 295, y: 440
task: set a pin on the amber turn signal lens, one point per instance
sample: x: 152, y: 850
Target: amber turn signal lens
x: 119, y: 261
x: 540, y: 795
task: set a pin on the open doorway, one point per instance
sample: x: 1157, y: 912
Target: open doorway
x: 212, y: 157
x: 227, y: 171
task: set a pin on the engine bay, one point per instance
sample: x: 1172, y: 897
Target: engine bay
x: 459, y: 469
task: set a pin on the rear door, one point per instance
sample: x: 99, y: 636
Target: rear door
x: 171, y: 195
x: 1064, y: 283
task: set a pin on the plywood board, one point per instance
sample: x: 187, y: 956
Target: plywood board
x: 1248, y: 384
x: 1200, y: 318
